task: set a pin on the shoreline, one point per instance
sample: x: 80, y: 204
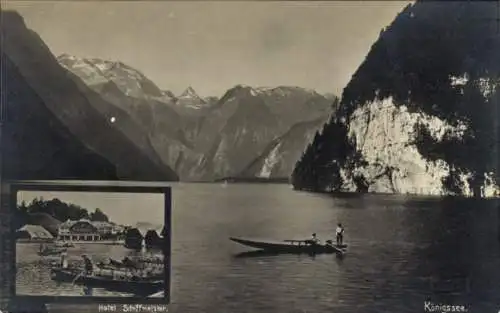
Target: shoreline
x: 103, y: 242
x: 354, y: 194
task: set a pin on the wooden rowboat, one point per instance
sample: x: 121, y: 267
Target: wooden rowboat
x: 292, y: 246
x: 51, y: 251
x: 64, y: 244
x: 135, y: 285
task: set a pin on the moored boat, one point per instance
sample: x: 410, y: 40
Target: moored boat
x: 292, y: 246
x: 51, y: 251
x: 120, y: 266
x: 137, y: 262
x: 123, y: 283
x: 111, y: 270
x: 64, y: 244
x: 147, y: 259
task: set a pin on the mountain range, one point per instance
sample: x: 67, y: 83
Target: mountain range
x: 209, y: 138
x: 71, y: 117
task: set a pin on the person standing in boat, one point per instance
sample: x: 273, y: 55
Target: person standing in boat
x: 64, y: 259
x: 339, y: 234
x: 89, y: 267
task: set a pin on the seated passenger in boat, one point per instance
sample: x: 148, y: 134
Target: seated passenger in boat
x: 64, y: 260
x: 315, y: 240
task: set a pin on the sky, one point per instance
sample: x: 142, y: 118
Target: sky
x: 213, y: 46
x: 121, y: 208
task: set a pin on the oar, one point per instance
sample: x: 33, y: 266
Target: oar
x: 77, y: 276
x: 157, y: 294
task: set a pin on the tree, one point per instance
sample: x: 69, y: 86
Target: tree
x: 60, y: 210
x: 319, y: 167
x: 98, y: 215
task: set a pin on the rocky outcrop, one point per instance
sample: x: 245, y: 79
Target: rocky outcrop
x: 386, y: 136
x: 419, y: 114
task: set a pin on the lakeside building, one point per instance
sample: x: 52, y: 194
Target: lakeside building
x: 33, y: 233
x: 86, y: 230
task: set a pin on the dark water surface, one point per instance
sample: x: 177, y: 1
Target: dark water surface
x: 402, y: 252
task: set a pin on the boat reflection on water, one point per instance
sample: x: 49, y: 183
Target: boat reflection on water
x: 264, y: 253
x: 255, y: 254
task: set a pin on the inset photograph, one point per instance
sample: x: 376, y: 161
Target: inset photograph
x: 90, y: 244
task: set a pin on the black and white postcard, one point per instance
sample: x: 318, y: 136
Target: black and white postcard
x: 324, y: 156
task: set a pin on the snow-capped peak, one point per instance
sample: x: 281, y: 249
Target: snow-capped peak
x: 190, y: 99
x: 189, y: 93
x: 245, y: 88
x: 66, y: 56
x: 96, y: 71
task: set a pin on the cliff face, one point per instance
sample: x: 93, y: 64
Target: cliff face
x: 35, y: 144
x: 280, y: 156
x: 76, y: 118
x: 385, y: 136
x: 419, y: 115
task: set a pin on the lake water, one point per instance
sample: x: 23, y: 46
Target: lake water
x: 402, y: 251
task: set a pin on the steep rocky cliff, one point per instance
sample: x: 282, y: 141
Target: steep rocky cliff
x: 41, y: 94
x: 420, y: 113
x: 35, y: 144
x: 280, y: 156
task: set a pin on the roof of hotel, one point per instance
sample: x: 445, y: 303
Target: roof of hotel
x: 95, y: 223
